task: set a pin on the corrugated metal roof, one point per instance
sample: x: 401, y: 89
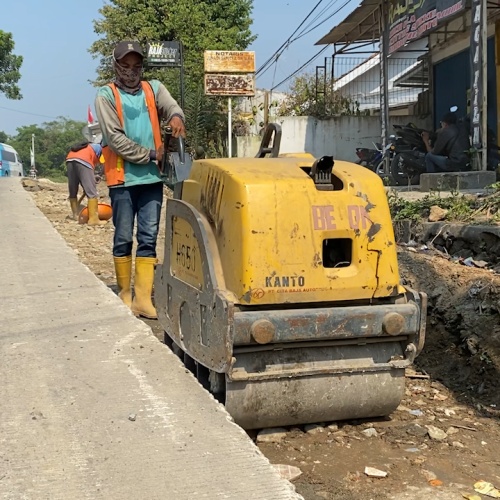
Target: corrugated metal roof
x: 361, y: 25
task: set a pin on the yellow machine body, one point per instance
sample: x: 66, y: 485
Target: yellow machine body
x: 280, y: 285
x: 271, y: 224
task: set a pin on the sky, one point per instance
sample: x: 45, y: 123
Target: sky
x: 54, y: 36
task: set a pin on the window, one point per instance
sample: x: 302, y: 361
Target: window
x: 8, y: 156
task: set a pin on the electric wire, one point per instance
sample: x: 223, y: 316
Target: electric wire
x: 301, y: 68
x: 284, y: 45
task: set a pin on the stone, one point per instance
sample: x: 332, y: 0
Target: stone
x: 271, y: 435
x: 372, y: 472
x: 437, y: 214
x: 313, y: 429
x: 416, y: 430
x: 436, y: 433
x: 370, y: 432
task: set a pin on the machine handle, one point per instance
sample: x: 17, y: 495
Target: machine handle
x: 271, y: 132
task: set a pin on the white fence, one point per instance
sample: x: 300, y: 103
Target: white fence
x: 339, y: 136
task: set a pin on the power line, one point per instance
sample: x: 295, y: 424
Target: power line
x: 27, y: 113
x: 302, y: 67
x: 300, y: 35
x: 284, y: 45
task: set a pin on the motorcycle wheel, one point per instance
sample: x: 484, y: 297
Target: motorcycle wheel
x: 399, y: 175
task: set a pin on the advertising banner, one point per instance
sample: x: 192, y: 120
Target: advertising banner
x: 410, y: 20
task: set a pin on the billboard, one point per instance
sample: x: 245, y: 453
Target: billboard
x: 164, y: 54
x: 410, y: 20
x: 229, y: 85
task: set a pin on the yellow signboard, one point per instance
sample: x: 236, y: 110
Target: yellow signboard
x: 229, y: 61
x: 185, y: 263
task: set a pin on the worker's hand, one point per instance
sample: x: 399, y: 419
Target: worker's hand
x: 425, y: 136
x: 177, y: 126
x: 159, y: 152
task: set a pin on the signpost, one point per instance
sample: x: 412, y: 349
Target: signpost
x: 229, y: 73
x: 167, y: 54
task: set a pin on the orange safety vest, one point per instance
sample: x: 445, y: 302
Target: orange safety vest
x: 113, y: 164
x: 87, y: 154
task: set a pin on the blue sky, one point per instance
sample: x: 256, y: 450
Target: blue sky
x: 53, y: 36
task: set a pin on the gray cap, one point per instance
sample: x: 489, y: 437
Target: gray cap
x: 124, y: 48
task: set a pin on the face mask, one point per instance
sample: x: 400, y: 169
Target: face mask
x: 128, y: 79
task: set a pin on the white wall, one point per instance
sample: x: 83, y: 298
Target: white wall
x: 339, y: 136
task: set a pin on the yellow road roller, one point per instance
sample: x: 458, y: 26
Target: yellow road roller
x: 280, y: 289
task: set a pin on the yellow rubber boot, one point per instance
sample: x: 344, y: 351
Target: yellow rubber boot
x: 94, y: 220
x: 143, y: 287
x: 74, y: 207
x: 123, y: 270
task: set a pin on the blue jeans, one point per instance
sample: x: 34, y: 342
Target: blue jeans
x: 435, y: 163
x: 143, y: 201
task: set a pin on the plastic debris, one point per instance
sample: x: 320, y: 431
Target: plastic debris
x: 435, y: 482
x: 412, y: 450
x: 471, y: 497
x: 487, y: 489
x: 372, y: 472
x: 288, y: 472
x: 416, y: 413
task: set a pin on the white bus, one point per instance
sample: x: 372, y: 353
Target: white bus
x: 10, y: 163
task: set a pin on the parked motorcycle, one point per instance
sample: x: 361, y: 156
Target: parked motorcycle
x: 370, y: 158
x: 408, y: 160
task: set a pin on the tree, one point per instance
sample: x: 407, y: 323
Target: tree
x: 10, y: 65
x: 52, y: 143
x: 4, y: 137
x: 309, y: 97
x: 200, y: 25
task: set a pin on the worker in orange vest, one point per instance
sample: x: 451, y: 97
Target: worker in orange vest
x: 80, y: 163
x: 129, y: 110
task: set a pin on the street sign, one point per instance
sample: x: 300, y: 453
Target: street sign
x: 229, y: 61
x: 164, y: 54
x: 229, y: 85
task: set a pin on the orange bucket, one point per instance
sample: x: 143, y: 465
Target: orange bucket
x: 104, y: 211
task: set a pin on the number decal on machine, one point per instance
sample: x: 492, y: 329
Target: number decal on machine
x: 185, y: 261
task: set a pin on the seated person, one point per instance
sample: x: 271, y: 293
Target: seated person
x: 449, y: 151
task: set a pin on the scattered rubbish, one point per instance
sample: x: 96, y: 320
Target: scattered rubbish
x: 132, y: 417
x: 412, y: 450
x: 288, y: 472
x: 416, y: 413
x: 372, y: 472
x: 435, y: 482
x: 471, y: 497
x: 487, y: 489
x: 470, y: 262
x: 436, y: 433
x: 370, y: 432
x: 448, y: 412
